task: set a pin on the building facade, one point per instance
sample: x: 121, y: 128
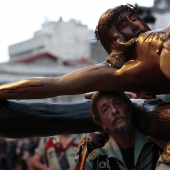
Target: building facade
x: 57, y: 49
x: 67, y: 40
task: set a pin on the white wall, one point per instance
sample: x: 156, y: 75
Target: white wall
x: 162, y: 20
x: 67, y: 40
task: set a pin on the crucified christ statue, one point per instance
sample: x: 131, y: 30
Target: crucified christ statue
x: 138, y: 61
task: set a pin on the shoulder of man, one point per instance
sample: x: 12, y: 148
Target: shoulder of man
x: 98, y: 160
x: 83, y: 141
x: 96, y: 153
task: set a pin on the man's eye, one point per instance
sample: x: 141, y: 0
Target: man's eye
x: 105, y: 109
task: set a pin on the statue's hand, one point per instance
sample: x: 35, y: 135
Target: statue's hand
x: 166, y: 36
x: 165, y: 54
x: 126, y: 43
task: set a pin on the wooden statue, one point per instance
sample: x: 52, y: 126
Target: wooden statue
x: 138, y: 61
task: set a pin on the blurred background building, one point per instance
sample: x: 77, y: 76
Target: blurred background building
x: 57, y: 49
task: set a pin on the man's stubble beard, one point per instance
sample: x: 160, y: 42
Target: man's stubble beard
x: 125, y: 129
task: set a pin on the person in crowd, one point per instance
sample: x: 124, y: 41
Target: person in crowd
x: 127, y: 147
x: 3, y: 144
x: 11, y: 156
x: 90, y: 141
x: 24, y: 151
x: 55, y: 152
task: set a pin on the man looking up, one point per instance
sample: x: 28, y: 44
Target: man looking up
x: 127, y: 147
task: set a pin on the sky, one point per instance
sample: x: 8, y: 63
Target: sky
x: 19, y: 19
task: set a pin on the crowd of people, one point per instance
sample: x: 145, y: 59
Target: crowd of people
x: 138, y: 61
x: 39, y: 153
x: 17, y: 153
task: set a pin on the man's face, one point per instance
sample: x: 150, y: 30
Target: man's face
x: 129, y: 26
x: 115, y: 114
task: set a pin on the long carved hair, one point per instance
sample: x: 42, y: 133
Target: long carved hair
x: 107, y: 34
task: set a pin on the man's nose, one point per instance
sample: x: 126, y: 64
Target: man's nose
x: 113, y: 110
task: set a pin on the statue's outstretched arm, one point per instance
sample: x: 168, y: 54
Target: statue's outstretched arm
x: 96, y: 77
x: 93, y: 78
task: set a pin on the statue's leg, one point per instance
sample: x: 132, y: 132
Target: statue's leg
x: 154, y: 119
x: 21, y: 119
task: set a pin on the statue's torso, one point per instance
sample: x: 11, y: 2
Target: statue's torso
x: 143, y: 74
x: 149, y: 46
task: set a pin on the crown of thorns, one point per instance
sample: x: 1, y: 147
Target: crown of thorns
x: 114, y: 16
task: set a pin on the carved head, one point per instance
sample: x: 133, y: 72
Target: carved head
x: 122, y: 24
